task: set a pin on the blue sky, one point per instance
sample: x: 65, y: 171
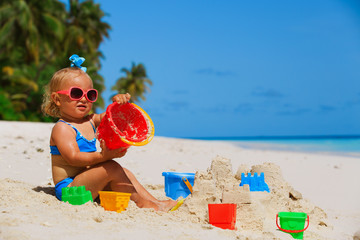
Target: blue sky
x: 241, y: 68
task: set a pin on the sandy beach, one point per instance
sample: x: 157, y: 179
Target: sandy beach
x: 325, y: 186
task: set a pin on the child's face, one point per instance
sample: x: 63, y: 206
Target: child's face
x: 74, y: 109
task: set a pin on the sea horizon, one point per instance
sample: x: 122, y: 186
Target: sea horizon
x: 270, y: 137
x: 343, y: 144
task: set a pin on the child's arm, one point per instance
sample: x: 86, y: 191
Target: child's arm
x: 64, y: 138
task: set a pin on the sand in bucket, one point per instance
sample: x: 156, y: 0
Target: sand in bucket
x: 124, y: 125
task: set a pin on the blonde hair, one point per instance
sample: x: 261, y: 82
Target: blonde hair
x: 48, y: 106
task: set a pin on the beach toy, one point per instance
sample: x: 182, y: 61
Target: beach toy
x: 124, y: 125
x: 179, y: 203
x: 256, y: 183
x: 178, y: 184
x: 222, y: 215
x: 293, y: 223
x: 76, y: 195
x: 114, y: 201
x: 187, y: 183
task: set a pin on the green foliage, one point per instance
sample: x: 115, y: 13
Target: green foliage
x: 36, y: 39
x: 7, y: 109
x: 134, y: 82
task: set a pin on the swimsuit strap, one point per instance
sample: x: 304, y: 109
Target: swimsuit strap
x: 69, y: 125
x: 75, y: 127
x: 93, y: 126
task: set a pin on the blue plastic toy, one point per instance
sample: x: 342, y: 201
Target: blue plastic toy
x: 256, y: 183
x: 76, y: 195
x: 176, y: 184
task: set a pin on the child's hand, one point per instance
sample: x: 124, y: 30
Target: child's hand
x: 121, y: 98
x: 111, y: 154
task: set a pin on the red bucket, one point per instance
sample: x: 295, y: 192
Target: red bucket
x: 222, y: 215
x: 124, y: 125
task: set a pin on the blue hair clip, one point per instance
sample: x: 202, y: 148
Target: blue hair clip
x: 76, y: 61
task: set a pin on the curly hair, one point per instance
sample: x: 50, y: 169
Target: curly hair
x: 48, y: 106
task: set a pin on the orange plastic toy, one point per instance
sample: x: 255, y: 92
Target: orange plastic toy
x: 125, y: 125
x: 114, y: 201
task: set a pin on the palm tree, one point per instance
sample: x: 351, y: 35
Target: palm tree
x: 135, y: 82
x: 30, y: 31
x: 85, y: 28
x: 36, y: 39
x: 32, y: 25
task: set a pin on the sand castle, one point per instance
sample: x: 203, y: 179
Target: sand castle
x: 256, y: 211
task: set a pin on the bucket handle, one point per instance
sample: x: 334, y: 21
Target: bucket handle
x: 291, y: 231
x: 187, y: 183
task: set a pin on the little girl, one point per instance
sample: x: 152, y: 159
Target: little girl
x: 75, y: 161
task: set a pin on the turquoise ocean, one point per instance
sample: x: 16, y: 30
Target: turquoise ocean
x: 345, y: 145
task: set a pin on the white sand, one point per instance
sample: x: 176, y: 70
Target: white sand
x: 329, y: 185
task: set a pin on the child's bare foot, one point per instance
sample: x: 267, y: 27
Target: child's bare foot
x: 166, y: 205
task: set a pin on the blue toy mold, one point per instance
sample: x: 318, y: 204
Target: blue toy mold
x: 175, y: 186
x: 256, y: 183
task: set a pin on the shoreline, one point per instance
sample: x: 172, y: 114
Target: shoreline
x: 317, y: 144
x: 291, y: 148
x: 328, y: 181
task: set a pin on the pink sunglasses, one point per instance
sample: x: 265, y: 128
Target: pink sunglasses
x: 76, y: 93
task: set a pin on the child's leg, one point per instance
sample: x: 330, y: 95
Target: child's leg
x: 110, y: 173
x: 143, y: 192
x: 139, y: 188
